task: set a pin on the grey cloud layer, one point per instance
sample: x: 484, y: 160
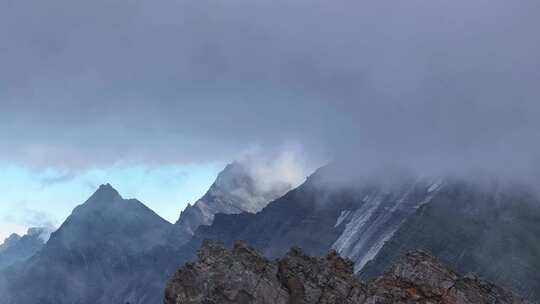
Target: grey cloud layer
x: 423, y: 82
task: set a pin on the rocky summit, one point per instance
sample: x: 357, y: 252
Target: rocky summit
x: 243, y: 276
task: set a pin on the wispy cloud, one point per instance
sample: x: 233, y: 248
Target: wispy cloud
x: 62, y: 178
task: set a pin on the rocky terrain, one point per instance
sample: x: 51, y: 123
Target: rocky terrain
x: 243, y: 276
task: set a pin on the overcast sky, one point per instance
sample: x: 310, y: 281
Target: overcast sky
x: 86, y: 85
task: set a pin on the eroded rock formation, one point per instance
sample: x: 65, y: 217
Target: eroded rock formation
x: 243, y: 276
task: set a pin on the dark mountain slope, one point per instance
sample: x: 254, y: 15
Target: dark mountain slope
x: 295, y: 218
x: 492, y: 229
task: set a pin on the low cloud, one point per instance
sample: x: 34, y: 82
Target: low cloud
x: 284, y: 168
x: 24, y: 217
x: 58, y: 179
x: 434, y: 85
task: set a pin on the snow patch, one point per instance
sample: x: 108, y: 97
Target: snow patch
x: 344, y: 214
x: 435, y: 186
x: 354, y: 227
x: 372, y: 252
x: 374, y: 223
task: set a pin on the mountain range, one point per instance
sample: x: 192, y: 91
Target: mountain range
x: 116, y: 250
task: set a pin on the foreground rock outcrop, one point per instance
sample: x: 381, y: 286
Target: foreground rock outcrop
x: 243, y: 276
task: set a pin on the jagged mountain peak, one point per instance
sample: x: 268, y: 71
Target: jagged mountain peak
x: 105, y: 193
x: 106, y: 217
x: 108, y: 202
x: 241, y: 188
x: 105, y: 240
x: 18, y: 248
x: 234, y: 177
x: 232, y: 169
x: 34, y: 233
x: 14, y: 237
x: 237, y: 189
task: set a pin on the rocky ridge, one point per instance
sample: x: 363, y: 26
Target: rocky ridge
x: 18, y: 248
x: 243, y: 276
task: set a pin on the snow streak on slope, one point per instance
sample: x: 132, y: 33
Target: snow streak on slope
x: 382, y: 211
x: 344, y: 215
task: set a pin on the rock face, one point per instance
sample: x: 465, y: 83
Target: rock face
x: 235, y: 191
x: 18, y: 248
x: 418, y: 277
x: 243, y: 276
